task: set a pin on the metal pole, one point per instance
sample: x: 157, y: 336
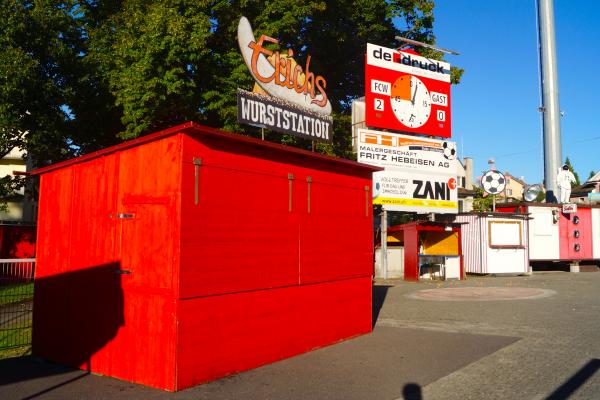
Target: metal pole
x: 384, y: 228
x: 550, y: 107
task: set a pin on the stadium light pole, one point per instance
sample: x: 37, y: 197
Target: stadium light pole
x: 550, y: 107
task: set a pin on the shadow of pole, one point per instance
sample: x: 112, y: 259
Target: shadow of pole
x: 412, y: 391
x: 576, y: 381
x: 47, y: 390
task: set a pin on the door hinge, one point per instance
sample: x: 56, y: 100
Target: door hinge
x: 290, y: 189
x: 197, y: 164
x: 125, y: 216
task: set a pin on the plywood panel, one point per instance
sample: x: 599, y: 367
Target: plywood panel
x: 336, y: 240
x: 222, y: 335
x: 241, y: 235
x: 52, y: 252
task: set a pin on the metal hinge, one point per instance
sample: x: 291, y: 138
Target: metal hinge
x: 309, y: 182
x: 125, y: 216
x: 290, y: 189
x: 197, y: 164
x: 367, y: 201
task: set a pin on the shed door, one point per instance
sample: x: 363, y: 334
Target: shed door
x: 146, y: 247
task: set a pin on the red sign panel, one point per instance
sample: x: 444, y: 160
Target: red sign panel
x: 406, y: 92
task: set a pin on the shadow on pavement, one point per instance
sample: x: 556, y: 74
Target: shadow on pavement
x: 576, y: 381
x: 77, y: 313
x: 412, y: 391
x: 21, y: 369
x: 379, y: 294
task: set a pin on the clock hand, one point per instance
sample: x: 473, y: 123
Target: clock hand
x: 414, y: 94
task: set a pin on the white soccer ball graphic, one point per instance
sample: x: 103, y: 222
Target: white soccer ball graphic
x: 449, y: 149
x: 493, y: 182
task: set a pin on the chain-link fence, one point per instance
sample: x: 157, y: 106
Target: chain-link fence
x: 16, y: 304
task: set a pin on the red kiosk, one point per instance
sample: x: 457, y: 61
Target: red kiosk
x: 425, y: 240
x: 190, y: 254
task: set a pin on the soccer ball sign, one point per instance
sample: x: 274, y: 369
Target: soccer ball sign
x: 493, y: 182
x: 449, y: 149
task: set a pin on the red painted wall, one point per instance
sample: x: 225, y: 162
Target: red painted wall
x: 88, y: 314
x: 179, y: 293
x: 567, y: 229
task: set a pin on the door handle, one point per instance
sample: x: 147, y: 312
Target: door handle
x: 123, y: 272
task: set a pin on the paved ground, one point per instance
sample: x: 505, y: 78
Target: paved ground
x: 540, y: 347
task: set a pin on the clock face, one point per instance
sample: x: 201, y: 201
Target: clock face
x: 410, y: 101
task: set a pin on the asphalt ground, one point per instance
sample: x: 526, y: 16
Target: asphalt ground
x: 536, y: 347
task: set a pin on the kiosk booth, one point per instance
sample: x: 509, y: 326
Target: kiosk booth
x: 430, y: 248
x: 495, y: 243
x: 560, y: 234
x: 190, y: 254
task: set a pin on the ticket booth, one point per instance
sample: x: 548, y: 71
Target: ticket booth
x: 430, y: 249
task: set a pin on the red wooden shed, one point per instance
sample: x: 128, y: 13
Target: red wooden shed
x: 190, y: 254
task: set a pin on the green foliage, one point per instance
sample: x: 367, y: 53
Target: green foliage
x: 482, y: 201
x: 541, y: 197
x: 592, y: 173
x: 151, y: 57
x: 568, y: 162
x: 80, y: 75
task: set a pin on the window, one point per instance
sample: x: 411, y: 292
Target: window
x: 509, y: 192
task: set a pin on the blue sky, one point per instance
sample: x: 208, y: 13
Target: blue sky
x: 494, y: 109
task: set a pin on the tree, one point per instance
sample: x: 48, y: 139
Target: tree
x: 80, y: 75
x: 568, y: 163
x: 592, y: 173
x: 481, y: 202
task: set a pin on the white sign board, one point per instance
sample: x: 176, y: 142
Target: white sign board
x: 420, y: 173
x: 505, y: 234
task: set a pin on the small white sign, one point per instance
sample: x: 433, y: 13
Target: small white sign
x: 381, y: 87
x: 569, y: 208
x: 441, y: 115
x: 378, y: 104
x: 439, y: 98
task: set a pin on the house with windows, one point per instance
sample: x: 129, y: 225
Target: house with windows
x: 585, y: 193
x: 514, y: 187
x: 19, y: 207
x: 464, y: 174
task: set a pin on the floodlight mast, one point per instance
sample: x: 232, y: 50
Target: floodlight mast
x: 429, y: 46
x: 550, y: 107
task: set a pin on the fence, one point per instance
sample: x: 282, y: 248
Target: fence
x: 16, y: 303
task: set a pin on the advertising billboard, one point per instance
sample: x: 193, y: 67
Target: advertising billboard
x: 419, y: 175
x: 286, y: 97
x: 406, y: 92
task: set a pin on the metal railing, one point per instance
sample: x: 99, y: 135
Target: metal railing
x: 16, y: 303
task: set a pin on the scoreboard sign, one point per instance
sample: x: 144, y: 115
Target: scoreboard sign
x: 406, y: 92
